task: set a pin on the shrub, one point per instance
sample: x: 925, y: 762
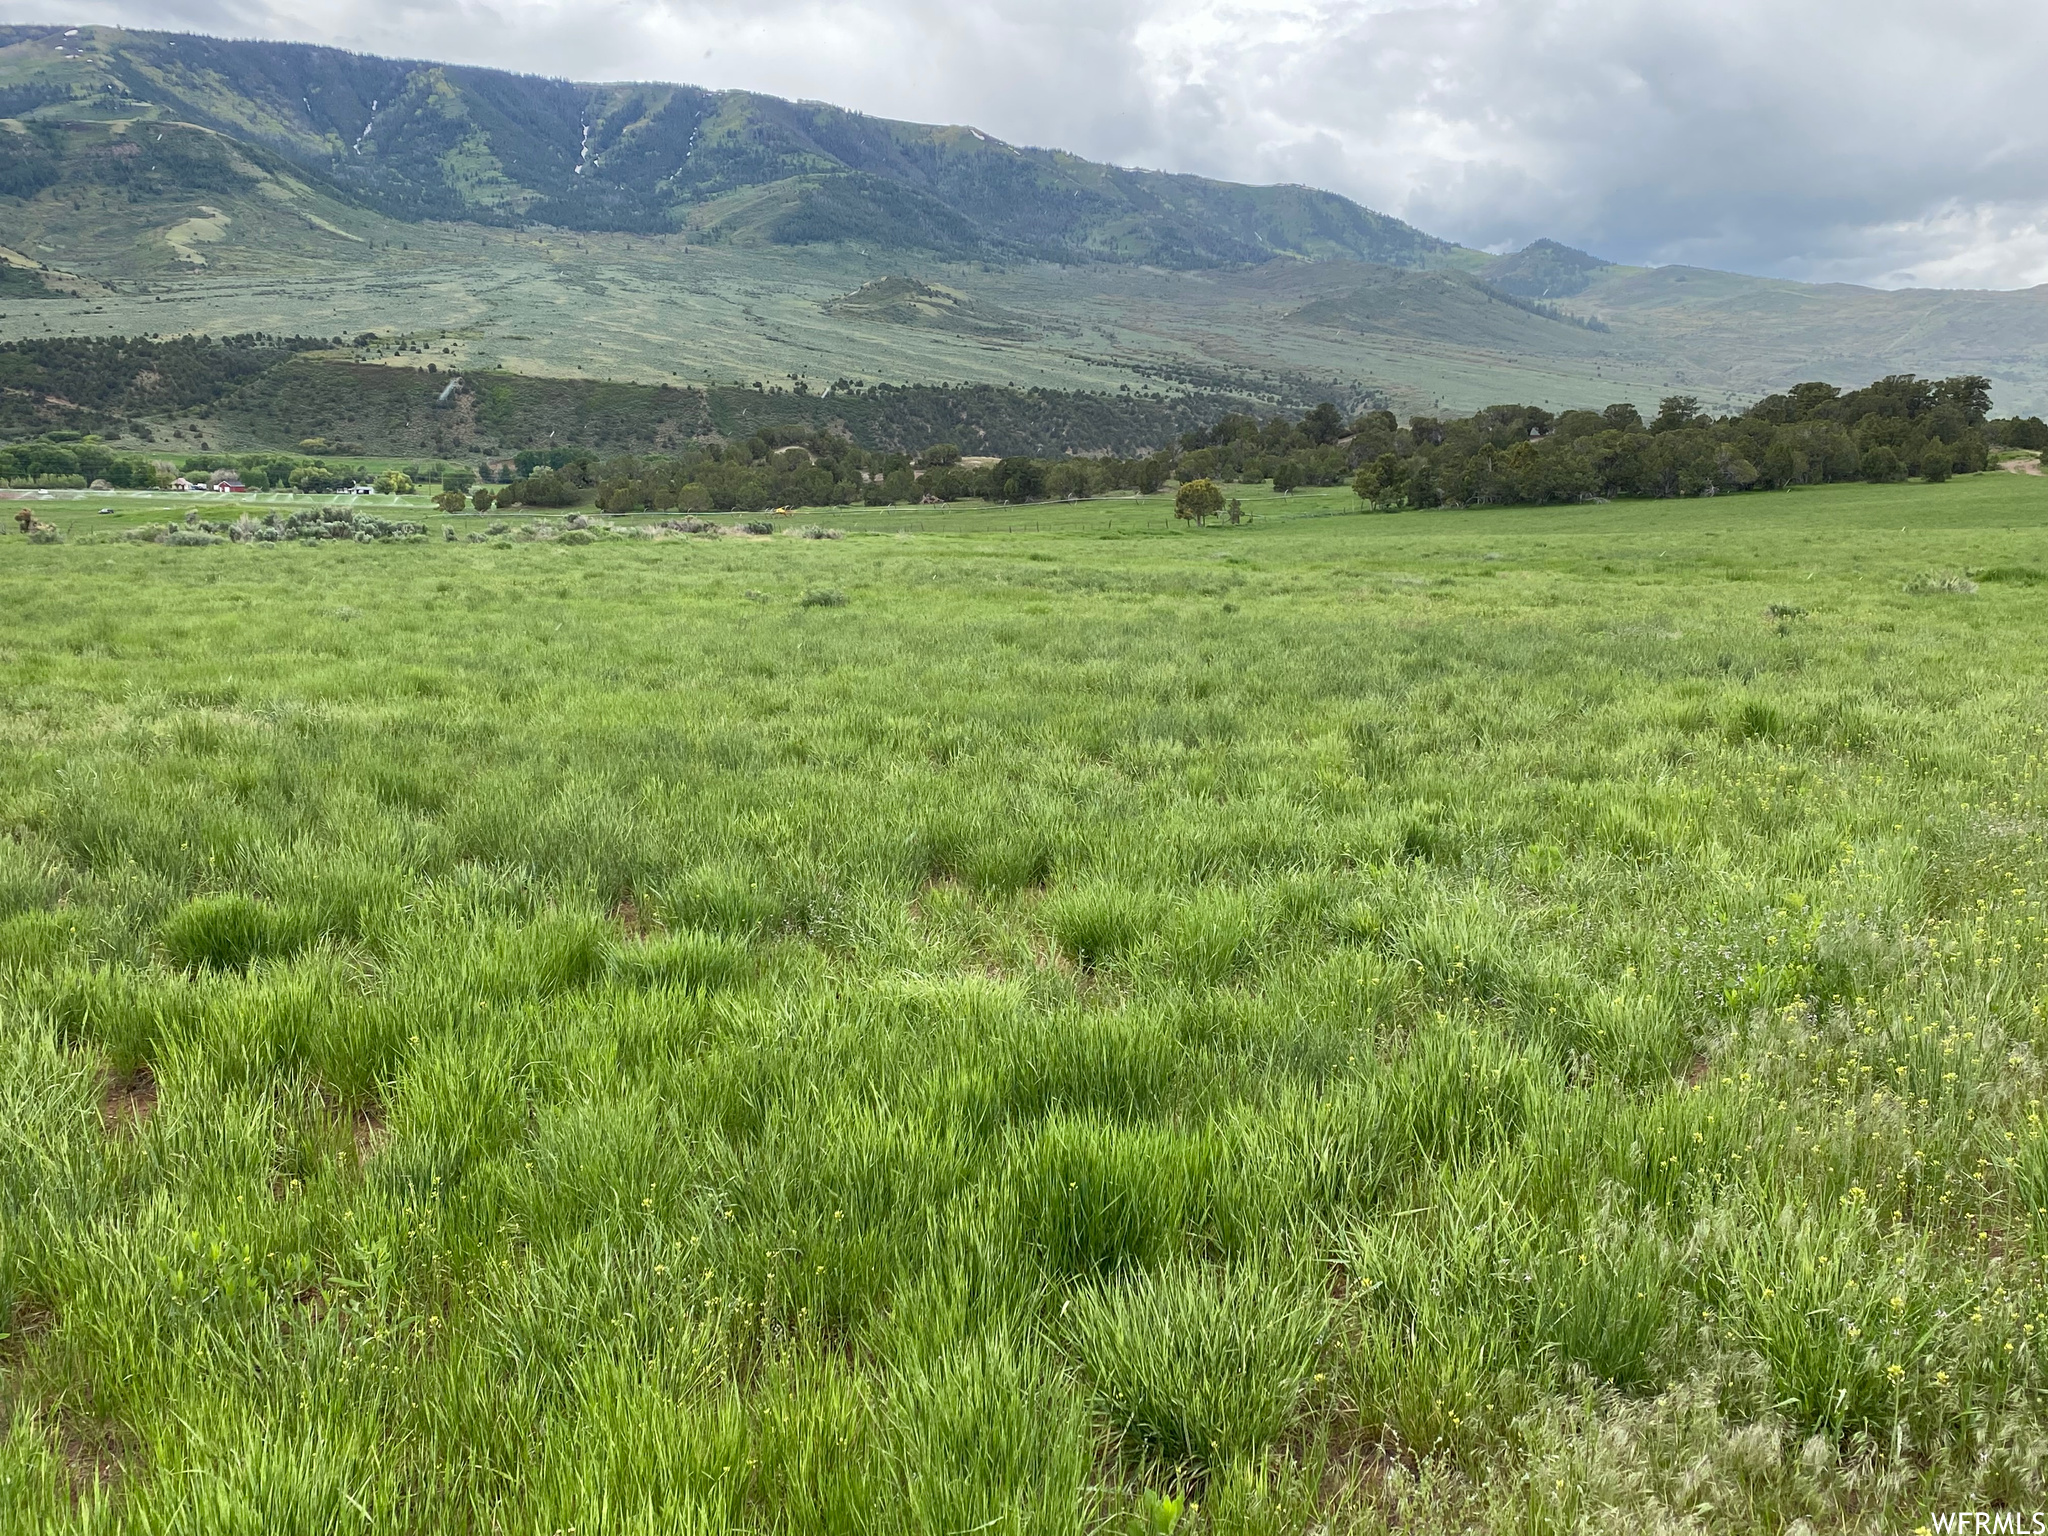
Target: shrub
x: 759, y: 526
x: 1931, y: 585
x: 822, y: 597
x: 813, y: 531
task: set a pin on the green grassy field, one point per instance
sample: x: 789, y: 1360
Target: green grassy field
x: 1011, y: 1018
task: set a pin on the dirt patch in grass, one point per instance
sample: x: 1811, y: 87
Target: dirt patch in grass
x: 29, y: 1319
x: 371, y: 1132
x: 314, y: 1302
x: 128, y: 1101
x: 98, y: 1456
x: 626, y: 913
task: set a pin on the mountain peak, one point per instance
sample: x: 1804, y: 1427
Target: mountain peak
x: 1544, y: 269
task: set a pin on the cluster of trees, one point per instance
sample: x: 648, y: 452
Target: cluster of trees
x: 785, y: 466
x: 75, y: 460
x: 1521, y: 455
x: 1026, y: 479
x: 318, y: 474
x: 795, y: 467
x: 72, y: 459
x: 2018, y: 432
x: 276, y: 471
x: 1316, y: 449
x: 1504, y: 455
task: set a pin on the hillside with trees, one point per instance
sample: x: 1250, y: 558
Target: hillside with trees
x: 282, y: 391
x: 417, y: 141
x: 409, y: 410
x: 116, y: 383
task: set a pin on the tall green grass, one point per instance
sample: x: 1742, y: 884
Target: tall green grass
x: 1454, y: 1021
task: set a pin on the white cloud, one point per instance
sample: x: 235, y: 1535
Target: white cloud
x: 1876, y: 141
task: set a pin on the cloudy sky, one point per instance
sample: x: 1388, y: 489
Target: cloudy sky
x: 1878, y: 141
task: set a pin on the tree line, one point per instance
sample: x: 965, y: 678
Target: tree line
x: 1505, y: 455
x: 793, y: 467
x: 64, y: 459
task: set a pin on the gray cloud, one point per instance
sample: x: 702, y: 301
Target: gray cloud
x: 1873, y: 141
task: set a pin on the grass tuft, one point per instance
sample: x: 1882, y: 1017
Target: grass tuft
x: 1200, y: 1366
x: 229, y: 933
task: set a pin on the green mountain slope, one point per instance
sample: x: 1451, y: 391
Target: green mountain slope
x: 418, y: 141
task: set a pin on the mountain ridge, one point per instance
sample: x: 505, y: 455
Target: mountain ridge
x: 416, y: 140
